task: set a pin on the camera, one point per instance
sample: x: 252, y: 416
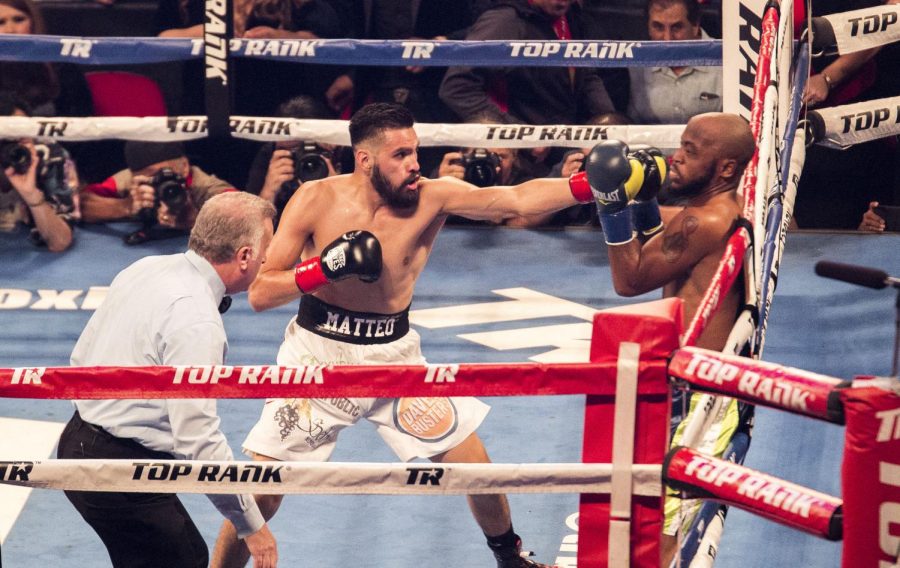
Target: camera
x: 53, y: 175
x: 309, y: 162
x: 481, y: 167
x: 171, y: 189
x: 14, y: 155
x: 52, y: 170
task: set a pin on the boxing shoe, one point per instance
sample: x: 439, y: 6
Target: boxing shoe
x: 515, y: 557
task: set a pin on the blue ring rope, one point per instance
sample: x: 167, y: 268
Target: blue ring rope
x: 492, y: 53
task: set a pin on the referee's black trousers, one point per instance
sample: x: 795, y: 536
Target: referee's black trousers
x: 140, y: 530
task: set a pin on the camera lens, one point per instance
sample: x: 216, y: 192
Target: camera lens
x: 171, y: 189
x: 16, y: 156
x: 310, y: 167
x: 173, y: 195
x: 480, y: 173
x: 481, y: 167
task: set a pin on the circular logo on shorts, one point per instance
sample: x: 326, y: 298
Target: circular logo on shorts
x: 428, y: 419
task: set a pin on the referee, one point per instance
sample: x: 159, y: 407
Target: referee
x: 165, y: 310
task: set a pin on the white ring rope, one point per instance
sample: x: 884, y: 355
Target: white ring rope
x: 311, y: 478
x: 866, y: 28
x: 164, y: 129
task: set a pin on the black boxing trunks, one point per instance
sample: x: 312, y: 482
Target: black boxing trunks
x: 360, y: 328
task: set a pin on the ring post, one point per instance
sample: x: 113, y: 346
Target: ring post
x: 622, y: 529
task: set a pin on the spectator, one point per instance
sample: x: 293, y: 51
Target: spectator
x: 836, y: 186
x: 260, y: 85
x: 873, y: 220
x: 533, y: 95
x: 131, y: 194
x: 49, y: 89
x: 672, y: 95
x: 275, y: 174
x: 38, y: 186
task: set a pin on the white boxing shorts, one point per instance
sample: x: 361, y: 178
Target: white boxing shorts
x: 306, y: 429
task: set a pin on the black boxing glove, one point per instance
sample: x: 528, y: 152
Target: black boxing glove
x: 356, y: 253
x: 645, y: 209
x: 614, y: 179
x: 655, y: 171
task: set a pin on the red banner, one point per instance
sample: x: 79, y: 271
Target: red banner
x: 706, y: 477
x: 757, y: 382
x: 265, y: 381
x: 871, y: 474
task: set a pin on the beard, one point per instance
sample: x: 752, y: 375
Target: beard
x: 694, y: 187
x: 396, y: 197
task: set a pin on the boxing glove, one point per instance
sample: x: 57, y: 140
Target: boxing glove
x: 356, y: 253
x: 606, y: 168
x: 645, y: 210
x: 613, y: 179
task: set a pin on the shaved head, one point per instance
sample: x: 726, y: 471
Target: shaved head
x: 728, y: 134
x: 715, y: 150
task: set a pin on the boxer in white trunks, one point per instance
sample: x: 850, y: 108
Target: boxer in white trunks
x: 362, y: 240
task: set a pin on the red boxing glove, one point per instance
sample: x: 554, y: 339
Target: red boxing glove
x: 580, y: 188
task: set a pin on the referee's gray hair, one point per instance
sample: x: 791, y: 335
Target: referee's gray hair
x: 227, y: 222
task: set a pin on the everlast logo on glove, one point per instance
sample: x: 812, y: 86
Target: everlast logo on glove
x: 609, y: 197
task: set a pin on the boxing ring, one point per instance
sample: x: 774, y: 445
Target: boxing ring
x: 758, y: 245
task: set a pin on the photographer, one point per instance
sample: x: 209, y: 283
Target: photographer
x: 290, y: 165
x: 160, y: 188
x: 37, y: 186
x: 280, y: 168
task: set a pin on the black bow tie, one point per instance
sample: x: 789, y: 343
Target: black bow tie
x: 224, y: 304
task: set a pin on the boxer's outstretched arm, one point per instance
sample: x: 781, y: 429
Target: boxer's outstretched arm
x: 543, y: 195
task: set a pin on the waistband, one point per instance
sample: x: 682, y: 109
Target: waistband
x: 134, y: 448
x: 360, y: 328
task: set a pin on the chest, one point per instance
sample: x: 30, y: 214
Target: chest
x: 405, y: 239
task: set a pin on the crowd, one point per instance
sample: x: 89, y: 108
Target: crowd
x: 277, y: 234
x: 838, y: 189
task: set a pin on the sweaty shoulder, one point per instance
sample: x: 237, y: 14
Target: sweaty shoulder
x: 446, y: 183
x: 713, y: 220
x: 324, y: 188
x: 315, y: 194
x: 438, y: 191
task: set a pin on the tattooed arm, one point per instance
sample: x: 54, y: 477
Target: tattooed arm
x: 692, y: 235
